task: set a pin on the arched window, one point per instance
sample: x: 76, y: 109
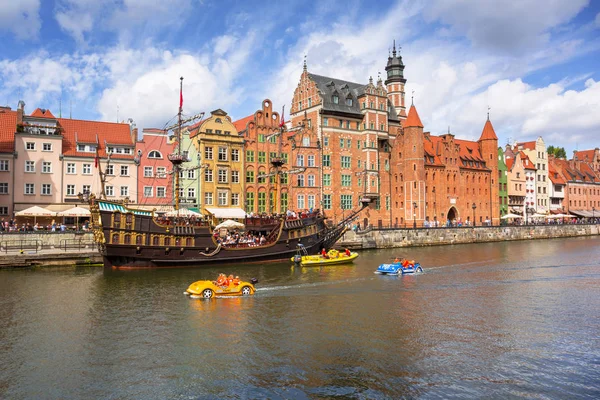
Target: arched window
x: 155, y: 154
x: 167, y: 241
x: 115, y: 238
x: 138, y: 239
x: 156, y: 241
x: 127, y: 239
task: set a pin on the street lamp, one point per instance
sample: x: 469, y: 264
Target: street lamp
x: 474, y: 206
x: 414, y: 215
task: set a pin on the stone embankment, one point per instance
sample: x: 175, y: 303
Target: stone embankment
x: 390, y: 238
x: 47, y: 248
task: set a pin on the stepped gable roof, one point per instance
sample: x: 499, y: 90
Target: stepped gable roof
x: 413, y: 119
x: 8, y: 126
x: 585, y: 155
x: 42, y: 113
x: 526, y: 145
x: 527, y: 164
x: 488, y: 132
x: 242, y: 123
x: 555, y: 175
x: 95, y: 132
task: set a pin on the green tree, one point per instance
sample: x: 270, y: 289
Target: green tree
x: 558, y: 152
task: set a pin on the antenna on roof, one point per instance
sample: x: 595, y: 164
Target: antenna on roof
x: 412, y: 98
x: 489, y: 108
x: 304, y: 66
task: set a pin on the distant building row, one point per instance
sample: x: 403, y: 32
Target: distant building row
x: 343, y: 141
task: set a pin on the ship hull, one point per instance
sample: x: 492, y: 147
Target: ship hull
x: 135, y: 239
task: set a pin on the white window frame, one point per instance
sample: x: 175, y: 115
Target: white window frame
x: 235, y: 199
x: 4, y: 165
x: 3, y: 187
x: 208, y: 198
x: 161, y: 191
x: 71, y: 168
x: 148, y: 191
x: 148, y: 172
x: 126, y: 169
x: 46, y: 146
x: 86, y: 169
x: 300, y: 202
x: 30, y: 146
x: 29, y: 166
x: 222, y: 198
x: 46, y: 189
x: 222, y: 175
x: 70, y: 190
x: 235, y: 176
x: 29, y: 189
x: 110, y: 191
x: 124, y: 191
x: 46, y: 167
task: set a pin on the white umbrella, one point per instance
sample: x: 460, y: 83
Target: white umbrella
x: 35, y: 211
x: 536, y: 215
x: 75, y: 212
x: 230, y: 224
x: 509, y: 215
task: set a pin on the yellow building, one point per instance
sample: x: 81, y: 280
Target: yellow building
x: 222, y: 166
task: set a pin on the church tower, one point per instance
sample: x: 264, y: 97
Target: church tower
x: 395, y: 82
x: 413, y: 168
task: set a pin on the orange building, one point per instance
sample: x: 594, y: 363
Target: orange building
x: 265, y: 190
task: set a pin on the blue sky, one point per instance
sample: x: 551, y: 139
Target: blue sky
x: 535, y: 63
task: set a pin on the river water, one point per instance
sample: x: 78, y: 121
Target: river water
x: 499, y: 320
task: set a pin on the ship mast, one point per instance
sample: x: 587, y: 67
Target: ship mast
x: 176, y: 158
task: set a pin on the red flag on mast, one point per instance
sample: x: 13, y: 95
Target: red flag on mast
x: 96, y: 159
x: 282, y: 119
x: 180, y: 97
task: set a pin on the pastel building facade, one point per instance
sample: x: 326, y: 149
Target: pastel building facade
x: 154, y: 170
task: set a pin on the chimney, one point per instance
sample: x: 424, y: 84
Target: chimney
x: 20, y: 111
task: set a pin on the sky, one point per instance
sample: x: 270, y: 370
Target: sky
x: 532, y: 64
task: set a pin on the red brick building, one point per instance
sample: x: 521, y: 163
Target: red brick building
x: 357, y: 143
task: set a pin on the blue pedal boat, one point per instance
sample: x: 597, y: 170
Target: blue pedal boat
x: 396, y: 269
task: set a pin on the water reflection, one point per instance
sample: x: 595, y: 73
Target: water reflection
x: 508, y: 319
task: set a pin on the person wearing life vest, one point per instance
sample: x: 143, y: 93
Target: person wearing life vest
x: 404, y: 263
x: 221, y: 280
x: 236, y: 281
x: 396, y: 260
x: 229, y: 280
x: 347, y: 252
x: 324, y: 253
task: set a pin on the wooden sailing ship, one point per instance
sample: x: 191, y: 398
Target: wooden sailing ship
x: 129, y: 237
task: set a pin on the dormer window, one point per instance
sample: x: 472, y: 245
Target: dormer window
x: 336, y: 99
x: 218, y: 120
x: 349, y: 101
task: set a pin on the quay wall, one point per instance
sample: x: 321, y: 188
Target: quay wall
x: 391, y: 238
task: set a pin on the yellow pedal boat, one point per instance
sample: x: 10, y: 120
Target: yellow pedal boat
x: 333, y: 257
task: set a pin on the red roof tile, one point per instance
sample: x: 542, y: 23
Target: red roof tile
x: 8, y: 126
x: 42, y: 113
x: 526, y: 145
x: 94, y: 132
x: 527, y: 164
x: 585, y: 155
x: 488, y: 132
x: 241, y: 124
x: 413, y: 119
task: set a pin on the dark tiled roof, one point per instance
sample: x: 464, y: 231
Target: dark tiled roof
x: 344, y: 89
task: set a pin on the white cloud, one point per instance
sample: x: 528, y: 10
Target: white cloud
x: 129, y: 19
x: 597, y: 20
x: 505, y: 25
x: 21, y: 18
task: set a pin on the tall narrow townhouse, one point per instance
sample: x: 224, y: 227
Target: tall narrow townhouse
x: 537, y: 152
x: 8, y: 127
